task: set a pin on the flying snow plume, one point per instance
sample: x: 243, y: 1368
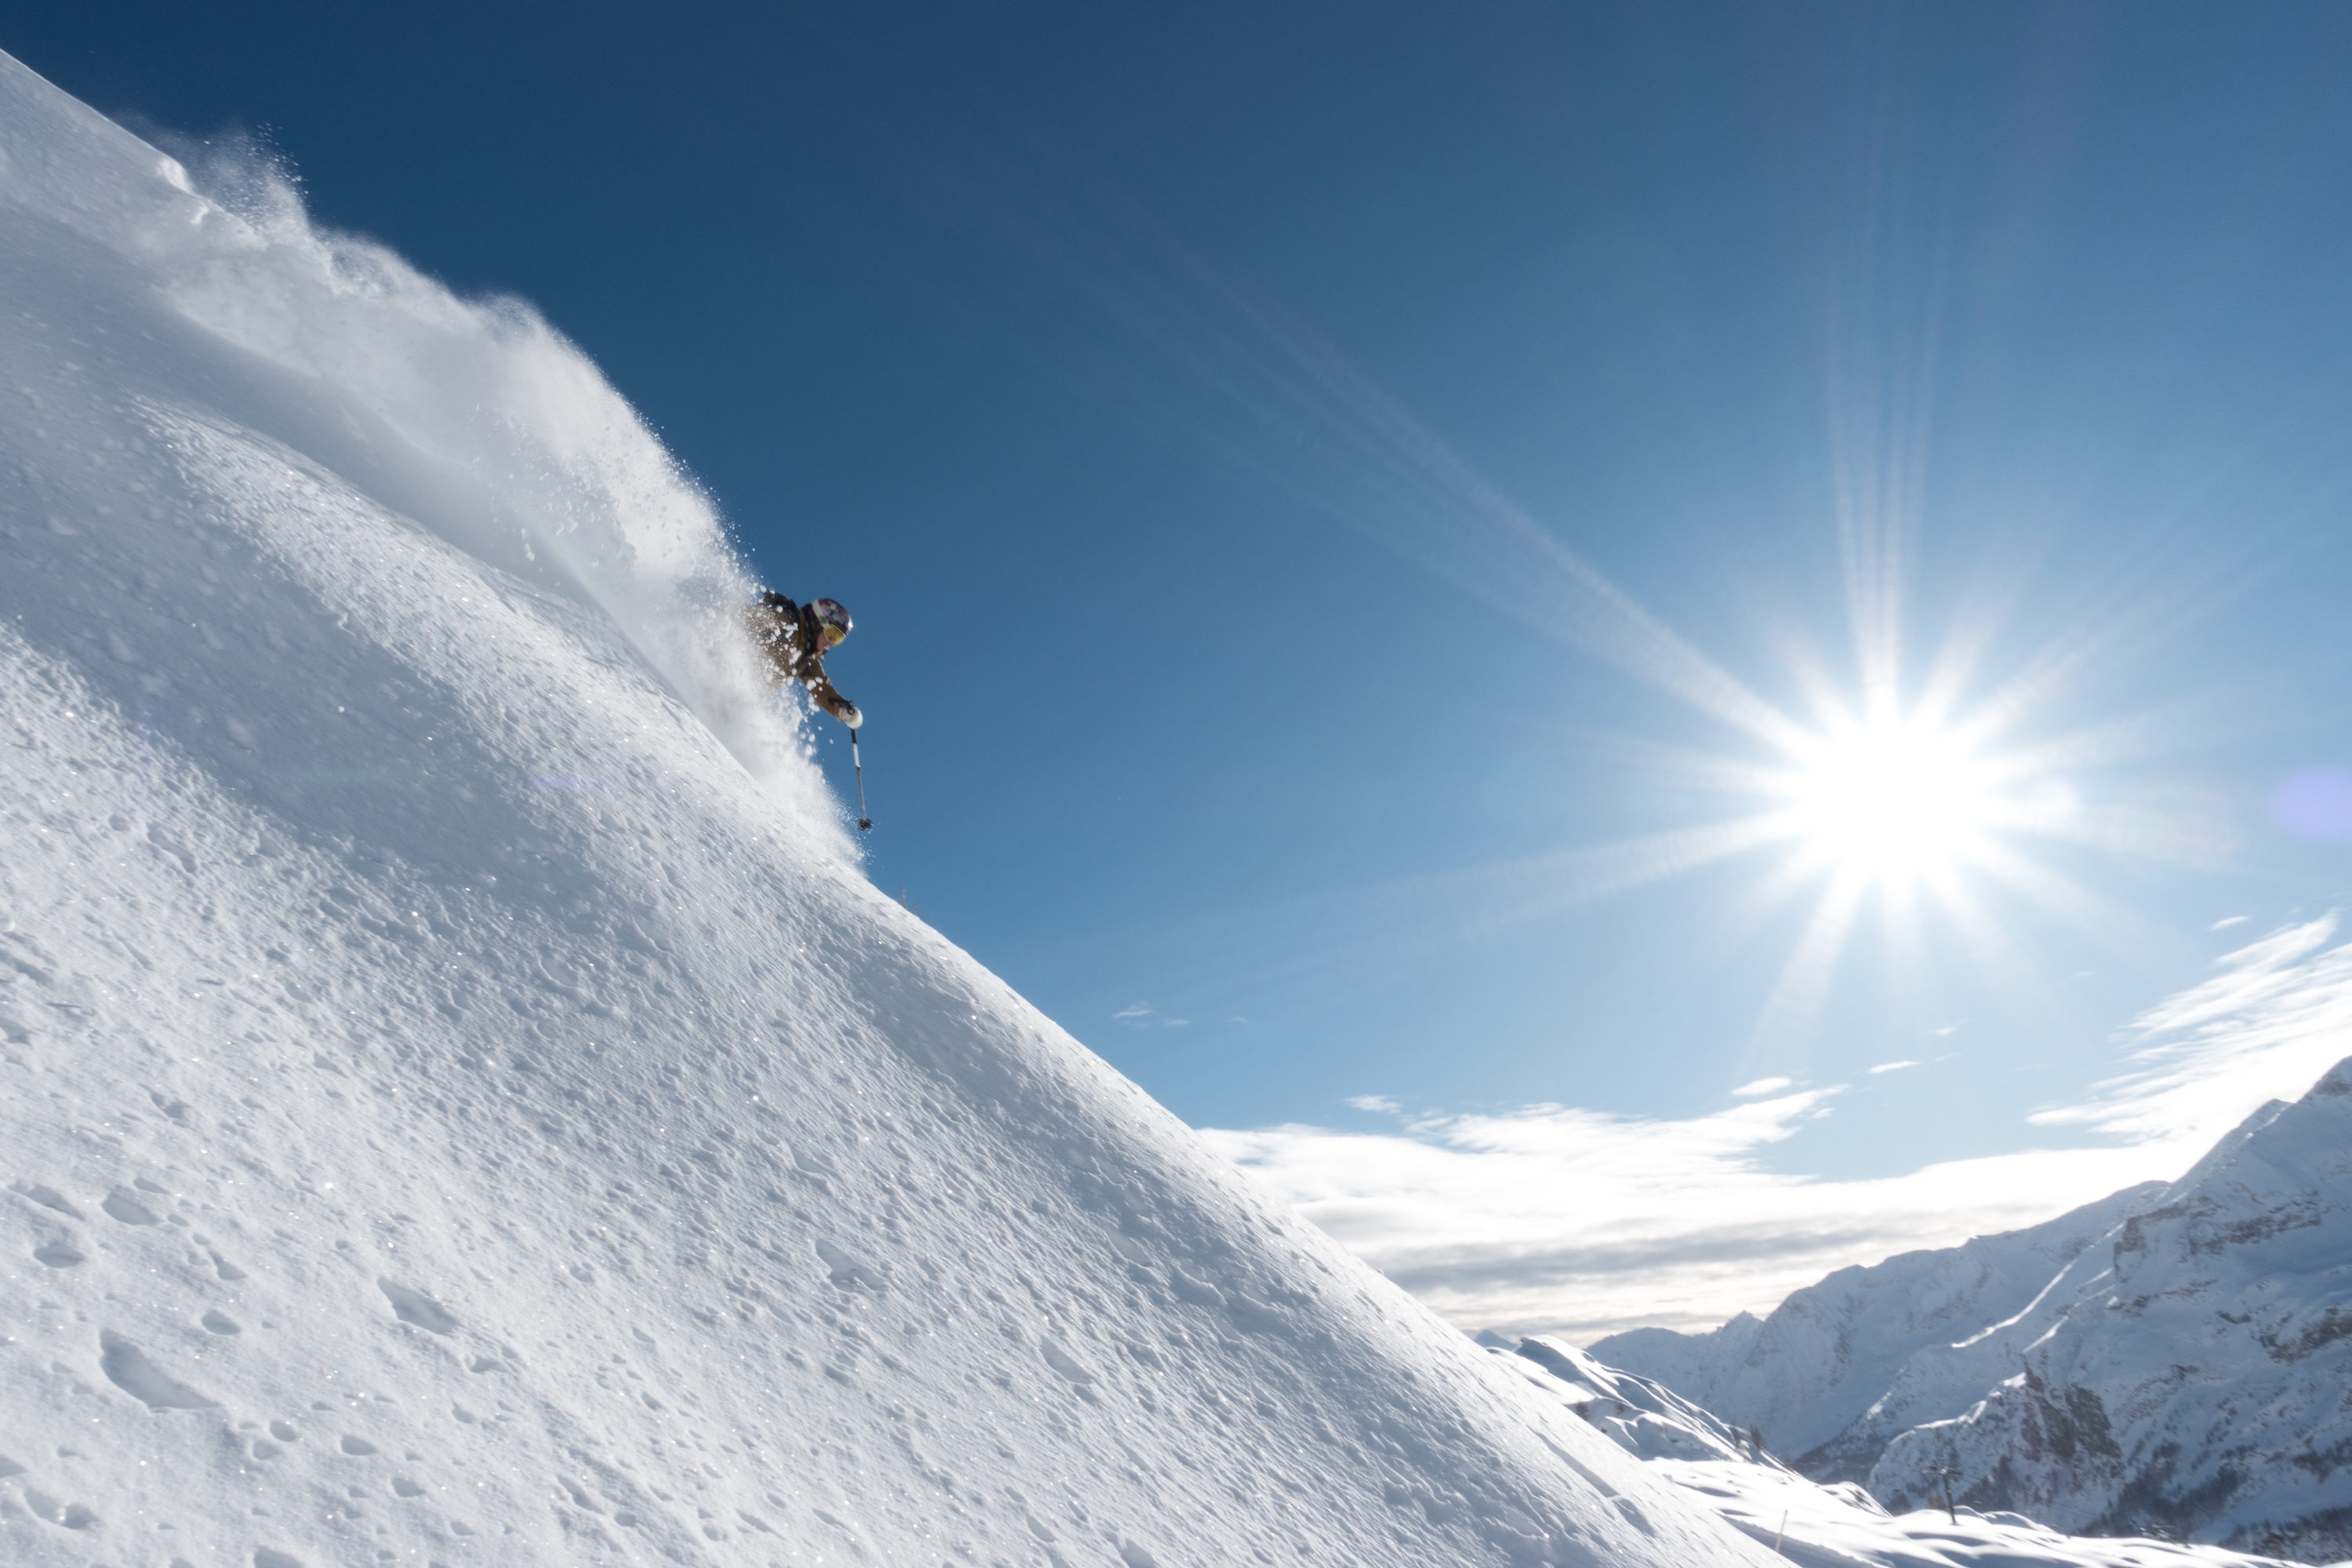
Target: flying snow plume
x: 472, y: 418
x: 461, y: 1103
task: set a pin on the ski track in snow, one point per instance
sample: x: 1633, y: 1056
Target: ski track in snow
x: 460, y: 1102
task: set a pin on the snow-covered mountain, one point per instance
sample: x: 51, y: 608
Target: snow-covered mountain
x: 2187, y: 1372
x: 1834, y: 1525
x: 1840, y: 1367
x: 462, y: 1102
x: 2199, y: 1376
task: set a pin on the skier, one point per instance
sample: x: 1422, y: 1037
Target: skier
x: 796, y: 638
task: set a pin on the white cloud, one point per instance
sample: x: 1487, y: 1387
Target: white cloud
x: 2277, y: 1016
x: 1375, y: 1102
x: 1893, y: 1067
x: 2225, y: 923
x: 1144, y: 1015
x: 1556, y: 1219
x: 1762, y: 1085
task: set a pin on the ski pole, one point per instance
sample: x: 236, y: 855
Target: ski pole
x: 864, y: 822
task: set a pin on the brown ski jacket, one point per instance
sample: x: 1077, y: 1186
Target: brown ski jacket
x: 794, y: 643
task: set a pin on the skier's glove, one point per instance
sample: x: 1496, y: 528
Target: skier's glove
x: 851, y: 716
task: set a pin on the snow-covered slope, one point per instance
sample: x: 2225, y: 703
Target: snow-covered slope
x: 2201, y: 1376
x: 1833, y: 1525
x: 460, y: 1102
x: 1841, y: 1367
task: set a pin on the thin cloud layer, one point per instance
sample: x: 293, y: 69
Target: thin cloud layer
x: 1144, y: 1015
x: 1554, y: 1219
x: 2277, y: 1016
x: 1762, y: 1086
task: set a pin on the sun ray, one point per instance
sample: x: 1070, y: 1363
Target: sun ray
x: 1894, y: 774
x: 1905, y: 790
x: 2117, y: 929
x: 1902, y: 901
x: 1975, y: 630
x: 2134, y: 737
x: 1664, y: 764
x: 1332, y: 943
x: 1788, y: 1017
x: 1779, y: 886
x: 1268, y: 392
x: 2026, y: 989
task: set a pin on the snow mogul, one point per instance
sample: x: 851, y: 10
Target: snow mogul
x: 796, y: 638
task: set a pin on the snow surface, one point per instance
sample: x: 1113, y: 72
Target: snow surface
x: 461, y: 1102
x: 1838, y: 1525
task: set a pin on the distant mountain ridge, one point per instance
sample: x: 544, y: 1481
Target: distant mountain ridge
x: 2184, y: 1365
x: 1823, y: 1375
x: 1833, y: 1525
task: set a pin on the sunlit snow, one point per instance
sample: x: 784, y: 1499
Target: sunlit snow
x: 461, y: 1102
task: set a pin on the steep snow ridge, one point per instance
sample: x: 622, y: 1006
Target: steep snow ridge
x: 457, y: 1108
x: 1837, y: 1525
x: 2198, y: 1381
x: 1841, y: 1367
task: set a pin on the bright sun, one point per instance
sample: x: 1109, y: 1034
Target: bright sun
x: 1892, y: 800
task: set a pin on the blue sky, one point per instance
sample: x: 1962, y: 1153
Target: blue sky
x: 1296, y: 470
